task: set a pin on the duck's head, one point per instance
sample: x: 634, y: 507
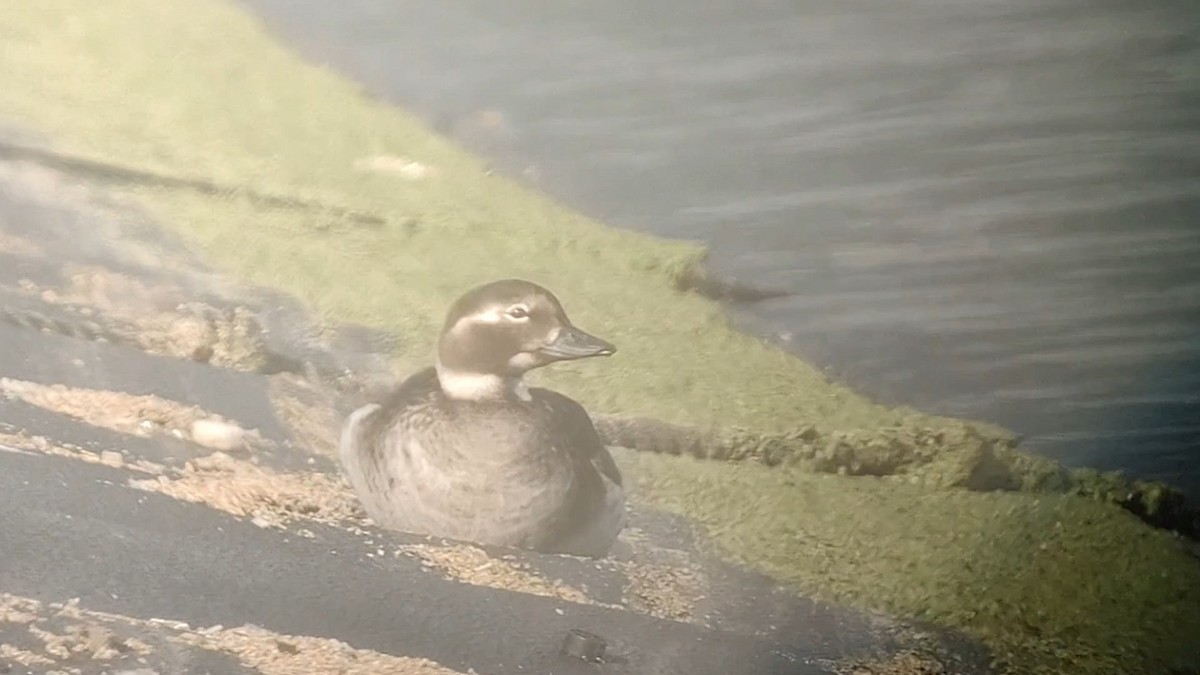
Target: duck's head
x: 497, y: 332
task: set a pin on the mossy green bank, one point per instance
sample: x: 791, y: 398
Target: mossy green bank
x: 1053, y: 584
x: 198, y: 93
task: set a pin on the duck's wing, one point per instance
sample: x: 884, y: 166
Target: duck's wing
x: 574, y: 423
x: 594, y: 535
x: 364, y: 443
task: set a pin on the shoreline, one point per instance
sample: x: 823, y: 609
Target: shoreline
x: 990, y: 456
x: 297, y: 132
x: 905, y: 285
x: 112, y: 356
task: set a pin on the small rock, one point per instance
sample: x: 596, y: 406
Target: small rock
x: 111, y: 458
x: 218, y: 435
x: 217, y: 461
x: 583, y: 645
x: 172, y: 624
x: 403, y: 166
x: 286, y: 647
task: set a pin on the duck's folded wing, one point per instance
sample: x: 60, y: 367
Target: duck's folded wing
x: 574, y: 422
x: 604, y: 462
x: 594, y: 534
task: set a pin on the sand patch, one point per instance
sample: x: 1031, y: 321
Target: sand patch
x: 200, y: 333
x: 667, y: 583
x: 108, y: 291
x: 235, y: 486
x: 308, y: 414
x: 67, y: 631
x: 23, y: 656
x: 20, y: 441
x: 93, y: 642
x: 904, y: 663
x: 60, y: 635
x: 247, y: 490
x: 159, y: 319
x: 230, y: 338
x: 472, y: 565
x: 168, y: 322
x: 242, y: 488
x: 138, y: 415
x: 277, y: 654
x: 665, y: 591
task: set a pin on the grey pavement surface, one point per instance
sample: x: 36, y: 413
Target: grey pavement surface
x: 74, y: 530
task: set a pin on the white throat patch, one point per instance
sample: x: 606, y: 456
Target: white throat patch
x: 481, y: 386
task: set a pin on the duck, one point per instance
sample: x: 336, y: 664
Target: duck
x: 465, y: 450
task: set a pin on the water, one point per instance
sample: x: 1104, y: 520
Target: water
x: 980, y: 209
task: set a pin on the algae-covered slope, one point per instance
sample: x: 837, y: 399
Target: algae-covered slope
x: 198, y: 91
x: 285, y: 174
x: 1054, y: 584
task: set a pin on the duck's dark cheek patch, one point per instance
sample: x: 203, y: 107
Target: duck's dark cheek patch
x: 481, y: 349
x: 491, y: 354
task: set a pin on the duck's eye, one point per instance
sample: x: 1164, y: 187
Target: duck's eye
x: 518, y: 312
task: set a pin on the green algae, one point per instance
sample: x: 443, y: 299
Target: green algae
x: 255, y: 159
x: 198, y: 93
x: 1053, y: 584
x: 953, y: 454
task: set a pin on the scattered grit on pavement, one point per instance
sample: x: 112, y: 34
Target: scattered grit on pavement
x: 171, y: 502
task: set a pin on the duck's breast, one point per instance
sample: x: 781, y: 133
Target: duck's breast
x: 488, y: 475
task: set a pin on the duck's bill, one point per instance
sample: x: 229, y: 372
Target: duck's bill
x: 573, y: 343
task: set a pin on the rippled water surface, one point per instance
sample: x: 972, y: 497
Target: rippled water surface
x: 988, y: 209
